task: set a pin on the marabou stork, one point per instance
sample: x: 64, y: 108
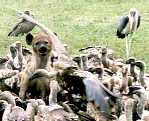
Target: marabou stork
x: 128, y: 24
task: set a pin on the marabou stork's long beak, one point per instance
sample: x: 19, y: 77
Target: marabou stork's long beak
x: 131, y: 22
x: 133, y: 19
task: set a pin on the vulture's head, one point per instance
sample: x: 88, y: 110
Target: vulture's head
x: 131, y: 60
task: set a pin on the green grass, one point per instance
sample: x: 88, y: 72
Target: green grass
x: 79, y: 23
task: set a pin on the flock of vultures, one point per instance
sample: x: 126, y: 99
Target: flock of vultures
x: 48, y: 84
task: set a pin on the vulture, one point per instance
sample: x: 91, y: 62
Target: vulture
x: 128, y: 23
x: 83, y: 87
x: 131, y: 62
x: 137, y: 93
x: 22, y: 27
x: 141, y: 66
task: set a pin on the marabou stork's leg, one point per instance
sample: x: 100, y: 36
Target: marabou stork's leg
x: 126, y: 47
x: 129, y: 43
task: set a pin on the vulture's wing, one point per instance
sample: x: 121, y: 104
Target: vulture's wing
x: 15, y: 28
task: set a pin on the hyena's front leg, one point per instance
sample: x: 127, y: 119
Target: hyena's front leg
x: 23, y: 86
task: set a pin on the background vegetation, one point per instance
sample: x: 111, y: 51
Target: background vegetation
x: 79, y: 23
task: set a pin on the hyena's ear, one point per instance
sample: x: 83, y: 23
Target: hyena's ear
x: 29, y: 38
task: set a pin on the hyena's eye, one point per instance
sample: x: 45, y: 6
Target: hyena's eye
x: 37, y: 43
x: 46, y: 43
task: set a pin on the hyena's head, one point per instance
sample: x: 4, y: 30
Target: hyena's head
x: 41, y: 43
